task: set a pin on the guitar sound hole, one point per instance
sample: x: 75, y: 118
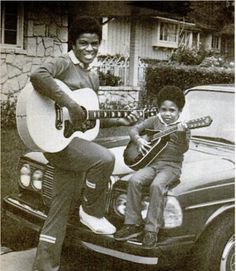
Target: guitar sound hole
x: 85, y: 126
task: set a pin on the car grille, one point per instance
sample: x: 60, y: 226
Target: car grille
x: 48, y: 184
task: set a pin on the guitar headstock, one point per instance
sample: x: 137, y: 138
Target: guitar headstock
x: 200, y: 122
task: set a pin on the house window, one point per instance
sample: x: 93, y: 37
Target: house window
x: 195, y: 41
x: 167, y: 34
x: 185, y: 39
x: 215, y: 42
x: 11, y: 24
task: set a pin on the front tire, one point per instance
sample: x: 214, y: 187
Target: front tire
x: 228, y: 256
x: 215, y: 249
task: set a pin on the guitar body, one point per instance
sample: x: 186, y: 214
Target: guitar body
x: 36, y: 118
x: 135, y: 160
x: 158, y: 141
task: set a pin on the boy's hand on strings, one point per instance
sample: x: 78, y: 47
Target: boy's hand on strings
x: 143, y: 145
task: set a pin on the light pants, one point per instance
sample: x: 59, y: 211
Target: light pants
x: 70, y: 166
x: 158, y: 177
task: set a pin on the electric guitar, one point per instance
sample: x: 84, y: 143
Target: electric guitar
x: 45, y: 126
x: 158, y: 142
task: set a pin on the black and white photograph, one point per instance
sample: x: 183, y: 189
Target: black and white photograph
x: 117, y: 135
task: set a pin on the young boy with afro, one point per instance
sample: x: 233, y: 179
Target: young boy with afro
x: 163, y: 171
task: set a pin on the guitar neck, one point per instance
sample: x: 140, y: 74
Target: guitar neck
x: 192, y: 124
x: 107, y: 114
x: 165, y: 132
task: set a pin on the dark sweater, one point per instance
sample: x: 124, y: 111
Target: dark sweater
x: 177, y: 145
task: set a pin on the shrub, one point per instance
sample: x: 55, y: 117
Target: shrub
x: 8, y: 113
x: 109, y: 79
x: 184, y: 77
x: 188, y: 56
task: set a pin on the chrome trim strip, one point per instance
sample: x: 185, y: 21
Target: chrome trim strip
x: 213, y: 88
x: 205, y: 188
x: 218, y: 212
x: 209, y: 204
x: 26, y: 207
x: 121, y: 255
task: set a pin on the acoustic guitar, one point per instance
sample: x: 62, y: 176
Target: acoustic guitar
x: 45, y: 126
x: 158, y: 142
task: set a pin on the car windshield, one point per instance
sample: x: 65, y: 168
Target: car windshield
x: 219, y: 106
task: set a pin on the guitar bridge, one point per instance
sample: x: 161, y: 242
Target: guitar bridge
x: 59, y: 117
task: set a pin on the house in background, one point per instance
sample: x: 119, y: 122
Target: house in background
x: 33, y: 32
x: 157, y: 37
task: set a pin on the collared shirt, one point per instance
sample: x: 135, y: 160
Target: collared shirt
x: 76, y: 61
x: 166, y: 124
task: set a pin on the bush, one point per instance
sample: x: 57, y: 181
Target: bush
x: 188, y: 56
x: 184, y: 77
x: 8, y: 113
x: 109, y: 79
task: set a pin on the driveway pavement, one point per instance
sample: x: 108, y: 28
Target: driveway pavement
x: 73, y: 261
x: 17, y: 261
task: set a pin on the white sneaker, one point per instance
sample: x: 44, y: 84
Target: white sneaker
x: 97, y: 225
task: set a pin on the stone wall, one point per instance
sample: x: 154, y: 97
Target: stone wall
x: 45, y: 36
x: 118, y: 97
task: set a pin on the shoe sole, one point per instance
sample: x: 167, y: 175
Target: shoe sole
x: 93, y: 230
x: 128, y: 237
x: 145, y: 247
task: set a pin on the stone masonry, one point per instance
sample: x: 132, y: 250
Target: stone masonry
x: 45, y: 37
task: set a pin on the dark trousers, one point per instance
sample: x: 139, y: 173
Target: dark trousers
x: 79, y: 158
x: 157, y: 177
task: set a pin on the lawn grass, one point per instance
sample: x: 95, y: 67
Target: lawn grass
x: 13, y: 234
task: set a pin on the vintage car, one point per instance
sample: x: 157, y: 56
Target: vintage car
x: 199, y: 211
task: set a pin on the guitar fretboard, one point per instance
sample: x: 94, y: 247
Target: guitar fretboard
x: 104, y: 114
x: 164, y: 133
x: 192, y: 124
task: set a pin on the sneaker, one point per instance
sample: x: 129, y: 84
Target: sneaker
x: 149, y: 239
x: 97, y: 225
x: 127, y: 232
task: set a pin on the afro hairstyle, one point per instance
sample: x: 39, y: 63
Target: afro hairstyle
x: 173, y: 94
x: 84, y: 24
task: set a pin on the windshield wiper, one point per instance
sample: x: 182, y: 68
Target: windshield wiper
x: 218, y: 139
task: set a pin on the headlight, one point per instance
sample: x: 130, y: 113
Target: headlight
x: 25, y: 173
x: 120, y: 204
x: 144, y: 204
x: 37, y: 179
x: 173, y: 215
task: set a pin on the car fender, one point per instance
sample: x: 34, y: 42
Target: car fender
x: 219, y: 212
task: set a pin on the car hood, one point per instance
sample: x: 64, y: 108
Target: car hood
x: 205, y: 163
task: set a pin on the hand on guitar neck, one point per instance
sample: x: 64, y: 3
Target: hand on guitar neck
x: 131, y: 119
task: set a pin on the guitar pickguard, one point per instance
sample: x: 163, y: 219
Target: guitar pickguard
x: 85, y: 126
